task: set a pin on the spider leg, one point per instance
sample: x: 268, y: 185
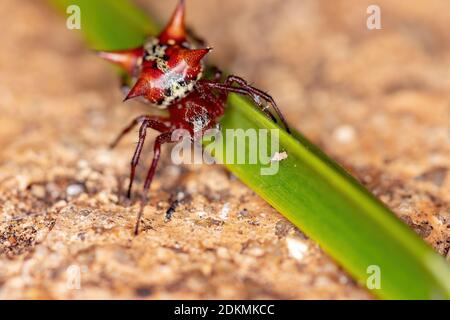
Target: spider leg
x: 130, y: 127
x: 243, y: 91
x: 258, y: 93
x: 162, y: 138
x: 154, y: 124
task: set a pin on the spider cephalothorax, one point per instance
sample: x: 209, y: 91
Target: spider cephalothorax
x: 168, y: 71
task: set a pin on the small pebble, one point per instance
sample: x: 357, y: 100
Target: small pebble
x: 282, y: 228
x: 38, y: 191
x: 223, y: 253
x: 201, y: 214
x: 243, y: 213
x: 75, y: 189
x: 344, y: 134
x: 60, y: 204
x: 435, y: 175
x: 225, y: 210
x: 143, y: 291
x: 85, y: 212
x: 180, y: 196
x: 296, y: 248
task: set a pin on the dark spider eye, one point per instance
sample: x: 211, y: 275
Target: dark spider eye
x: 168, y: 92
x: 160, y: 102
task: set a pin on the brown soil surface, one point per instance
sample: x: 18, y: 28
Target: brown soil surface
x: 377, y: 101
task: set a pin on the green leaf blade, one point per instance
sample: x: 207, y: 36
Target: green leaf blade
x: 110, y: 24
x: 329, y: 205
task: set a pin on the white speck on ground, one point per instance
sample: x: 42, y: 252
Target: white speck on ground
x: 296, y: 248
x: 225, y: 210
x: 344, y: 134
x: 223, y: 253
x: 180, y: 196
x: 201, y: 214
x: 74, y: 189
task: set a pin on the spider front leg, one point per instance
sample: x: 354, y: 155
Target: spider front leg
x: 150, y: 123
x: 257, y: 93
x: 245, y: 89
x: 225, y: 89
x: 161, y: 139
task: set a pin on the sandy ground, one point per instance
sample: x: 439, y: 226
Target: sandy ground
x: 377, y: 101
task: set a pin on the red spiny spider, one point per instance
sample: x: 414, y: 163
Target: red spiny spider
x: 168, y: 71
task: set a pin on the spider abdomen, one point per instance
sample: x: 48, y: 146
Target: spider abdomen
x: 166, y: 71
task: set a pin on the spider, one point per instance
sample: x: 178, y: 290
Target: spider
x: 167, y: 70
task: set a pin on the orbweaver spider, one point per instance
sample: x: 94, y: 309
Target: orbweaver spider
x: 168, y: 71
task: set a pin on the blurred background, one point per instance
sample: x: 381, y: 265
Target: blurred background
x: 378, y: 101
